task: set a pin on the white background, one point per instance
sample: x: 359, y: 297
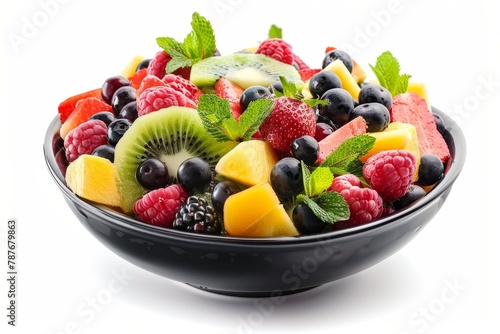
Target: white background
x: 445, y: 280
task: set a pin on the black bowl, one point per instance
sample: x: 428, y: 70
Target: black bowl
x: 257, y: 266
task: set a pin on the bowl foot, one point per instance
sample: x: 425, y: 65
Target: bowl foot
x: 251, y: 294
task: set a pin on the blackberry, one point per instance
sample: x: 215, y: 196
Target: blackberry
x: 198, y: 216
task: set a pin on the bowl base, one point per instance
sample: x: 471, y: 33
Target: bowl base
x: 251, y: 294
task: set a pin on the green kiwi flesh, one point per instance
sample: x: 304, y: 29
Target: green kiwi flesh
x: 173, y: 135
x: 243, y: 69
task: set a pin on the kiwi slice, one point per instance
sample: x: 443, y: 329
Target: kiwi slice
x: 243, y: 69
x: 172, y: 135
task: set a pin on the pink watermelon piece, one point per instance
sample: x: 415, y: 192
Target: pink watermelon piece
x: 330, y: 143
x: 411, y: 108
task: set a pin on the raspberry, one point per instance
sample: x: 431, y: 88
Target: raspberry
x: 182, y: 85
x: 158, y: 64
x: 158, y: 207
x: 307, y: 73
x: 159, y: 97
x: 365, y: 204
x: 85, y: 138
x: 390, y: 173
x: 278, y: 49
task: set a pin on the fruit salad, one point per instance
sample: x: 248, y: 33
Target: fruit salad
x: 256, y: 143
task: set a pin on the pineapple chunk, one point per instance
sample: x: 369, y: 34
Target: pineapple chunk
x: 95, y: 179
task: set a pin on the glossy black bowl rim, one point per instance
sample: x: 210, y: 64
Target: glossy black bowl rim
x: 110, y: 216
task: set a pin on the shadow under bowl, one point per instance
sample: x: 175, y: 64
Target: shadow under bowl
x: 257, y: 267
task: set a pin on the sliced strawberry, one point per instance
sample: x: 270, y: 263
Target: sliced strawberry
x: 231, y: 92
x: 67, y: 106
x: 306, y: 74
x: 136, y: 79
x: 84, y: 109
x: 411, y: 108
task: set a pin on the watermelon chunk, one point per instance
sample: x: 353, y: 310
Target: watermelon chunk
x: 411, y: 108
x: 67, y: 106
x: 330, y: 143
x: 84, y: 109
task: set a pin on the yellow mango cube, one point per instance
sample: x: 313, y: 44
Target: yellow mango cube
x: 95, y: 179
x: 257, y: 212
x: 346, y: 78
x: 249, y: 163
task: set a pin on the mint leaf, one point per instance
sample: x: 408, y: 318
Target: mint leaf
x: 345, y: 159
x: 336, y: 206
x: 213, y: 111
x: 219, y: 122
x: 330, y: 206
x: 321, y: 178
x: 306, y: 178
x: 197, y: 45
x: 205, y: 35
x: 255, y: 114
x: 387, y: 71
x: 275, y: 32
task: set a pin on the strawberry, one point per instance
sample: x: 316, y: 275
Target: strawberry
x: 290, y: 119
x: 231, y: 92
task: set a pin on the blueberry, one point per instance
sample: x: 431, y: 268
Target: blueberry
x: 305, y: 148
x: 117, y: 129
x: 431, y: 169
x: 340, y: 104
x: 105, y: 116
x: 143, y: 64
x: 122, y: 97
x: 306, y: 221
x: 376, y: 116
x: 111, y: 85
x: 251, y: 94
x: 323, y: 130
x: 152, y: 174
x: 195, y: 174
x: 105, y: 151
x: 276, y: 86
x: 375, y: 93
x: 338, y: 54
x: 323, y: 81
x: 129, y: 111
x: 414, y: 193
x: 286, y: 178
x: 221, y: 192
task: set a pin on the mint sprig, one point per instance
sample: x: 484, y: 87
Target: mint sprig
x: 275, y: 32
x: 219, y: 122
x: 329, y: 206
x: 387, y: 71
x: 197, y: 45
x: 346, y: 158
